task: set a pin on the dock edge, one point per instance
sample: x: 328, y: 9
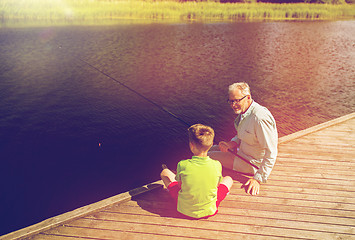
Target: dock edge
x: 315, y: 128
x: 79, y: 212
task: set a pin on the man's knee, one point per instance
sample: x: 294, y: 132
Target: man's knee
x: 225, y: 158
x: 214, y: 148
x: 241, y: 166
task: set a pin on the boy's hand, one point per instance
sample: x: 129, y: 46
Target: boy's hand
x: 253, y: 186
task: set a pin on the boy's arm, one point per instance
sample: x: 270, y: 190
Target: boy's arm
x: 177, y: 177
x: 220, y: 173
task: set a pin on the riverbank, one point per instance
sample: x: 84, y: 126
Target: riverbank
x: 88, y: 12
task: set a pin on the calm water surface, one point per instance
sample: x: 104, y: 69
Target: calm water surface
x: 70, y: 136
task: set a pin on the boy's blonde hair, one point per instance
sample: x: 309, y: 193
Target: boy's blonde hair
x: 202, y: 136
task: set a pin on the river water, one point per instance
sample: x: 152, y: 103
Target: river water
x: 71, y: 135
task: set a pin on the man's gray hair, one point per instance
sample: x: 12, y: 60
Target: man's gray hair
x: 242, y: 86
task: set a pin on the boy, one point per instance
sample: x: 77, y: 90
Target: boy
x: 198, y: 186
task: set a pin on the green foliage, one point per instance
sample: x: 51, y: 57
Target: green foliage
x: 59, y: 12
x: 329, y: 1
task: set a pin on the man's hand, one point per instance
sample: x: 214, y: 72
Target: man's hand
x: 224, y: 146
x: 253, y: 186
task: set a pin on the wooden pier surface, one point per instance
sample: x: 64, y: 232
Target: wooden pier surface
x: 310, y: 194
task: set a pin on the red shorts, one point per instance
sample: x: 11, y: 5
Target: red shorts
x: 222, y: 192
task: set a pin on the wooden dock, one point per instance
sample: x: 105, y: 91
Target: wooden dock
x: 309, y: 195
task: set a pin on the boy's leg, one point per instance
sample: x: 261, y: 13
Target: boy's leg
x: 167, y: 176
x: 170, y: 183
x: 223, y: 189
x: 227, y: 181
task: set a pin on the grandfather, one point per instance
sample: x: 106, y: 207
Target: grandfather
x: 255, y: 142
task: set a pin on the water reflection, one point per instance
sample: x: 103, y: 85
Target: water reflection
x: 55, y: 109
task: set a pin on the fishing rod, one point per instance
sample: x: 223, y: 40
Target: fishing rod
x: 134, y: 91
x: 154, y: 103
x: 245, y: 160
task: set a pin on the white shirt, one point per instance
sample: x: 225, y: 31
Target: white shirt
x: 257, y: 139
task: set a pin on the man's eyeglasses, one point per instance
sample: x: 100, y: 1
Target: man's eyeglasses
x: 231, y: 102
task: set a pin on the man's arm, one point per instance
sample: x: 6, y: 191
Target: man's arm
x: 267, y: 136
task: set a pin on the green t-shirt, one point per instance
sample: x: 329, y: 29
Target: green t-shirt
x: 199, y: 177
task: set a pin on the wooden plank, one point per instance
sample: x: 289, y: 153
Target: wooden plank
x: 319, y: 146
x: 90, y: 228
x: 283, y: 155
x: 315, y: 168
x: 321, y: 167
x: 77, y: 213
x: 286, y: 178
x: 283, y: 180
x: 335, y: 173
x: 295, y: 157
x: 338, y: 129
x: 42, y: 236
x: 234, y: 217
x: 164, y: 208
x: 272, y: 197
x: 72, y: 232
x: 273, y: 191
x: 304, y: 171
x: 289, y: 208
x: 313, y: 185
x: 308, y: 197
x: 314, y: 176
x: 273, y: 206
x: 207, y: 229
x: 350, y: 208
x: 300, y: 149
x: 310, y: 171
x: 266, y: 187
x: 315, y: 161
x: 317, y: 128
x: 330, y: 135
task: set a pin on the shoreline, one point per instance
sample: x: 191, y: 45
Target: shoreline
x: 86, y: 12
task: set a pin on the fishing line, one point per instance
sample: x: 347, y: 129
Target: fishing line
x: 134, y: 91
x: 152, y: 102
